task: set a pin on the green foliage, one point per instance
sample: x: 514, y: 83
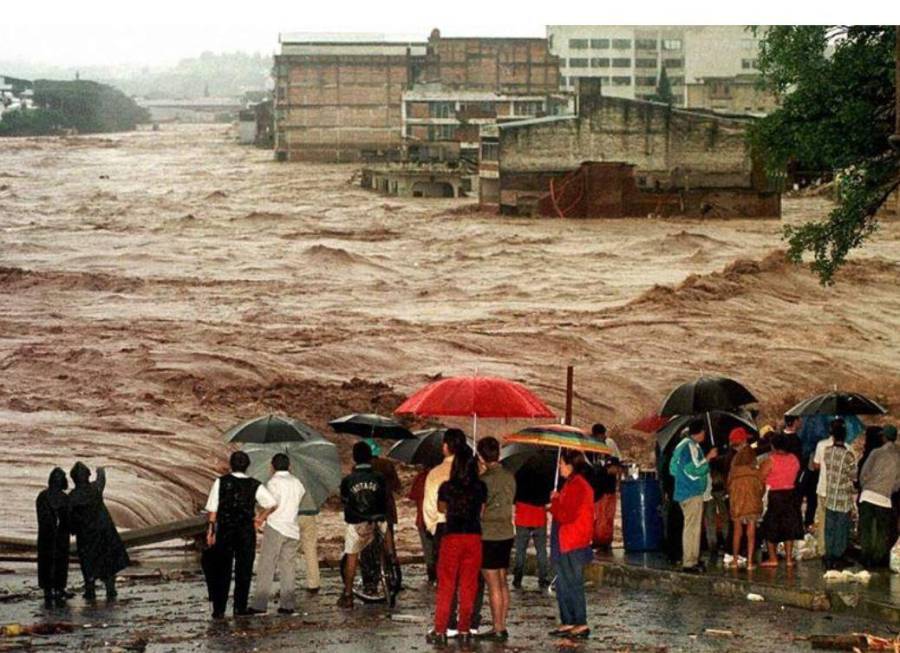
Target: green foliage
x: 664, y: 89
x: 837, y: 112
x: 87, y: 107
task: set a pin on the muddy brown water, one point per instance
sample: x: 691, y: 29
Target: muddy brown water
x: 203, y: 283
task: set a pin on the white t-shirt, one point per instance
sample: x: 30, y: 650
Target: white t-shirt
x: 288, y: 491
x: 263, y: 496
x: 819, y: 459
x: 613, y: 447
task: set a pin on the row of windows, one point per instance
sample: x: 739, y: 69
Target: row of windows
x: 617, y: 80
x: 624, y: 62
x: 623, y: 44
x: 748, y: 64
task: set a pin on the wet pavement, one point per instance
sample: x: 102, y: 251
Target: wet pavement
x: 166, y: 610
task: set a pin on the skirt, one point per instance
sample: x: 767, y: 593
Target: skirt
x: 782, y: 521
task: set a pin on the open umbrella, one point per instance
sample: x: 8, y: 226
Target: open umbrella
x: 704, y: 395
x: 315, y: 463
x: 837, y: 403
x: 721, y: 421
x: 533, y: 466
x: 475, y: 396
x: 558, y: 436
x: 650, y: 423
x: 272, y: 428
x: 425, y: 449
x: 369, y: 425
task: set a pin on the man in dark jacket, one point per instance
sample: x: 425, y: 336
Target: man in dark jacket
x: 53, y: 539
x: 364, y: 495
x: 100, y: 550
x: 232, y: 533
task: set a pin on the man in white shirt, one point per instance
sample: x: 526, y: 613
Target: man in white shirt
x: 232, y: 534
x: 817, y: 463
x: 280, y: 538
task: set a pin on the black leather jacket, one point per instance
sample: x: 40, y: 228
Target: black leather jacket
x: 364, y: 495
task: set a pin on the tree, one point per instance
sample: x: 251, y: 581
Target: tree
x: 836, y: 86
x: 664, y: 89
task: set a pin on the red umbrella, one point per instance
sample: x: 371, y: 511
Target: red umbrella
x: 475, y: 396
x: 650, y: 423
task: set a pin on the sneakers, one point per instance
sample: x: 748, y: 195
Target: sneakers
x: 346, y: 601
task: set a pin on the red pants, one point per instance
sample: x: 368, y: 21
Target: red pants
x: 459, y: 561
x: 604, y: 517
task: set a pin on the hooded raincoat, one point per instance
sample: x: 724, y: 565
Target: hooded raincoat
x: 53, y: 533
x: 100, y: 549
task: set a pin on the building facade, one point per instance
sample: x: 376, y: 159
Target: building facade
x: 735, y: 94
x: 629, y: 60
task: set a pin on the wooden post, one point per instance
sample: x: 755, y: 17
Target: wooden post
x: 570, y: 379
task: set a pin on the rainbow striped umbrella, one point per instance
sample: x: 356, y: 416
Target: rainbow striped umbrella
x: 558, y: 436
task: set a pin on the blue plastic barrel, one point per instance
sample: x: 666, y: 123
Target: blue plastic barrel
x: 642, y: 527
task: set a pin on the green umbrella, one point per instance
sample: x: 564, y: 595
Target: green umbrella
x: 272, y: 428
x: 315, y: 463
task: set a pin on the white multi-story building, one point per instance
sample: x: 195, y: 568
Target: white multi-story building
x: 629, y: 59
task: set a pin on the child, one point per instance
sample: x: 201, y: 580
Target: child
x: 745, y: 489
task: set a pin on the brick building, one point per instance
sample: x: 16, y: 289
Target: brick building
x: 681, y: 161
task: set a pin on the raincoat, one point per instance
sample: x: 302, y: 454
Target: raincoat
x: 100, y: 549
x: 53, y: 533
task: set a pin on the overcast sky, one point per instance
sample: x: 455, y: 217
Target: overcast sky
x: 160, y: 32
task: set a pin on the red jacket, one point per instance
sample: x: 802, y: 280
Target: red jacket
x: 573, y: 510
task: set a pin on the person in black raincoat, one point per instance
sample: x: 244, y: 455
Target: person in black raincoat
x: 100, y: 549
x: 53, y: 539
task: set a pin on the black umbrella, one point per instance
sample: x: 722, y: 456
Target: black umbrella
x: 425, y: 449
x: 706, y: 394
x: 837, y: 403
x: 369, y: 425
x: 534, y: 468
x: 272, y: 428
x: 720, y: 421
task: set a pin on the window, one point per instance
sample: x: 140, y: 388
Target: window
x: 600, y: 44
x: 528, y: 107
x: 490, y: 151
x: 563, y: 81
x: 645, y: 81
x: 677, y: 80
x: 645, y: 44
x: 441, y: 132
x: 578, y: 44
x: 671, y: 44
x: 441, y: 109
x: 673, y: 63
x: 748, y: 64
x: 409, y: 131
x: 578, y: 63
x: 621, y: 44
x: 621, y: 81
x: 645, y: 63
x: 600, y: 62
x: 621, y: 63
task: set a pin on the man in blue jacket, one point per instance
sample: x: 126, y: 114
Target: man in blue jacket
x: 690, y: 469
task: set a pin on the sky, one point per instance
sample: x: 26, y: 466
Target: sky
x: 159, y: 33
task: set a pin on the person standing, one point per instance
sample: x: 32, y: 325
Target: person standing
x: 280, y: 538
x: 598, y: 432
x: 417, y: 496
x: 532, y: 497
x: 573, y: 510
x: 461, y: 499
x: 231, y: 533
x: 369, y: 565
x: 816, y: 464
x: 497, y: 534
x: 745, y: 491
x: 364, y: 495
x: 690, y: 470
x: 101, y: 552
x: 879, y: 479
x: 605, y: 483
x: 782, y: 521
x: 52, y: 507
x: 839, y: 466
x: 308, y: 521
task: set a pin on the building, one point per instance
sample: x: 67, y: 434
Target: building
x: 197, y: 110
x: 678, y: 161
x: 363, y: 97
x: 629, y: 59
x: 735, y: 94
x: 338, y: 97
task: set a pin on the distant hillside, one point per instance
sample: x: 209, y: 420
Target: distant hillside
x: 85, y: 106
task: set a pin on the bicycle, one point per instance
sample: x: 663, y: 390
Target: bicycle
x: 378, y: 566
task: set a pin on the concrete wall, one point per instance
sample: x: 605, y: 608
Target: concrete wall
x: 731, y: 95
x: 670, y: 148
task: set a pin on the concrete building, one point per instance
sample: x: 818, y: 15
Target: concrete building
x: 338, y: 97
x: 736, y: 94
x: 680, y: 161
x: 628, y: 59
x: 199, y: 110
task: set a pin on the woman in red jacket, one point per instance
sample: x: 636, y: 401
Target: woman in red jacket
x: 573, y: 510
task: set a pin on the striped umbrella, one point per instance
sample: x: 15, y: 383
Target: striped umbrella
x: 558, y: 436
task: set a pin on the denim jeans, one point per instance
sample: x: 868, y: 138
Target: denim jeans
x: 538, y: 535
x: 570, y: 586
x: 837, y: 534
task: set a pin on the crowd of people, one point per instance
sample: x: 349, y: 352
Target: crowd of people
x: 773, y: 493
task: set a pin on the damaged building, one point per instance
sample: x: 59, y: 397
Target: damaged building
x: 622, y: 157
